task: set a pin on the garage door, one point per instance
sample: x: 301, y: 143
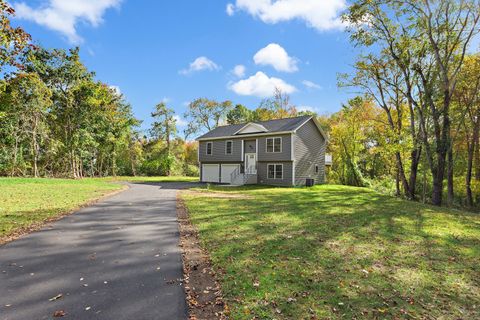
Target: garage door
x: 227, y: 170
x: 210, y: 173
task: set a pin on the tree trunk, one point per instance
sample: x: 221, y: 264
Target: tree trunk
x: 473, y: 148
x: 397, y: 183
x: 450, y: 193
x: 34, y: 149
x: 15, y: 156
x: 468, y: 175
x: 401, y: 173
x: 415, y: 161
x: 424, y: 190
x: 477, y: 158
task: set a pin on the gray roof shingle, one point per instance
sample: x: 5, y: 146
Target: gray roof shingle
x: 278, y: 125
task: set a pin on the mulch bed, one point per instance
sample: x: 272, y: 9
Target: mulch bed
x: 204, y: 295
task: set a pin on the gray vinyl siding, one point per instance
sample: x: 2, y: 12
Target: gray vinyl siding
x: 218, y: 151
x: 250, y: 146
x: 285, y: 155
x: 287, y: 173
x: 309, y: 151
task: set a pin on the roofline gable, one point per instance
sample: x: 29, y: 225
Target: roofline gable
x: 317, y: 124
x: 246, y: 136
x: 253, y: 124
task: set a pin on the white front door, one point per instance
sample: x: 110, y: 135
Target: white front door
x: 251, y: 163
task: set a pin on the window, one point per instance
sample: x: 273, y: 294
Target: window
x: 228, y: 147
x: 209, y: 148
x: 274, y: 145
x: 316, y: 168
x: 275, y: 171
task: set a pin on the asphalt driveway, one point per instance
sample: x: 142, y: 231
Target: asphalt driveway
x: 118, y: 259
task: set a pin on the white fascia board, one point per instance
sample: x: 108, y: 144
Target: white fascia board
x: 253, y: 124
x: 247, y: 136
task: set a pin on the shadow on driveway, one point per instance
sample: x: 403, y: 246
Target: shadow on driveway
x: 117, y: 259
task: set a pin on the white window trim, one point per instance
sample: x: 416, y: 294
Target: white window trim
x: 231, y: 149
x: 275, y: 171
x: 273, y: 151
x: 206, y: 148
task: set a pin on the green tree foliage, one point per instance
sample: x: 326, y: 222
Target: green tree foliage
x: 423, y: 45
x: 239, y: 114
x: 164, y: 126
x: 13, y: 41
x: 204, y: 114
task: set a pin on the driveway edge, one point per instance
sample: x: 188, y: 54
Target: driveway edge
x: 39, y: 225
x: 203, y: 292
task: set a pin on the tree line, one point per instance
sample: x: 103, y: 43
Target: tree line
x: 418, y: 71
x: 58, y: 120
x: 413, y: 128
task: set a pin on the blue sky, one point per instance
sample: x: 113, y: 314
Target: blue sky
x: 184, y: 49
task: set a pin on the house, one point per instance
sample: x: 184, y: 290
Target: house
x: 276, y: 152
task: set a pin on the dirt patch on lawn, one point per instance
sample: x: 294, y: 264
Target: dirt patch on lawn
x: 204, y: 296
x: 17, y: 233
x: 222, y: 195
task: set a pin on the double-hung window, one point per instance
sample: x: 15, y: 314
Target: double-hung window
x: 275, y: 171
x: 209, y: 148
x: 228, y: 147
x: 274, y: 145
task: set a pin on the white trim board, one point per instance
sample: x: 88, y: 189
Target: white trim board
x: 250, y: 135
x: 255, y: 128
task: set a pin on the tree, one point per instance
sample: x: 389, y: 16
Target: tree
x: 13, y: 41
x: 277, y: 107
x: 381, y: 80
x: 426, y: 40
x: 31, y: 98
x: 467, y: 99
x: 352, y: 137
x: 164, y: 126
x: 204, y: 114
x: 239, y: 114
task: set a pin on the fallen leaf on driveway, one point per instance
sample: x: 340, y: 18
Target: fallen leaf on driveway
x: 58, y: 296
x: 59, y: 313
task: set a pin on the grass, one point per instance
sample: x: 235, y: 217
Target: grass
x: 28, y: 202
x: 151, y: 179
x: 336, y: 252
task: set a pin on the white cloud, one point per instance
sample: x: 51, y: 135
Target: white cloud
x: 239, y: 71
x: 180, y: 121
x: 63, y: 16
x: 200, y: 64
x: 230, y: 9
x: 319, y: 14
x: 277, y: 57
x: 166, y: 100
x: 260, y: 85
x: 307, y: 108
x: 116, y: 89
x: 311, y: 85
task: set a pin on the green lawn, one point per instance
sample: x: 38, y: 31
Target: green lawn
x: 27, y: 202
x: 338, y: 252
x: 152, y: 179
